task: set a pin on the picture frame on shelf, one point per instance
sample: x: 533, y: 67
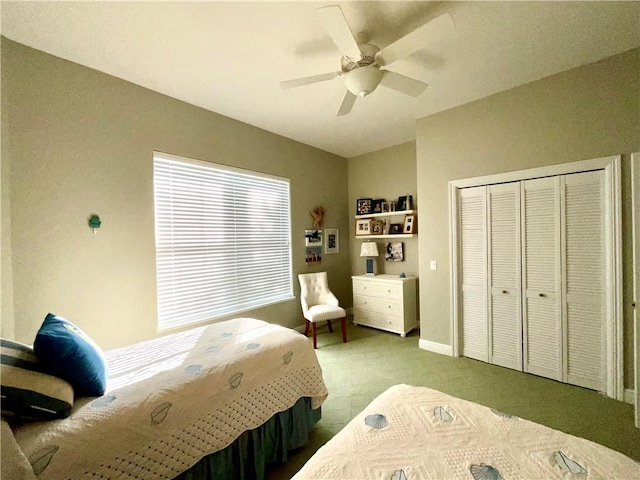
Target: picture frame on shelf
x: 363, y: 227
x: 409, y: 224
x: 392, y: 206
x: 395, y: 228
x: 385, y: 207
x: 313, y: 238
x: 377, y: 227
x: 394, y: 251
x: 331, y: 241
x: 405, y: 203
x: 363, y: 206
x: 376, y: 205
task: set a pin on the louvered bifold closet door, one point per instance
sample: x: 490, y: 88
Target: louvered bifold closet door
x: 473, y: 272
x: 584, y: 271
x: 542, y: 327
x: 505, y: 325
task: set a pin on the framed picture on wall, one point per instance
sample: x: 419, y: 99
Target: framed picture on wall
x: 331, y: 243
x: 394, y: 251
x: 313, y: 238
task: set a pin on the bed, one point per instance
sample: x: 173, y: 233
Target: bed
x: 172, y: 402
x: 415, y: 433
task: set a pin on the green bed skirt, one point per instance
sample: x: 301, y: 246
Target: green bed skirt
x: 247, y: 457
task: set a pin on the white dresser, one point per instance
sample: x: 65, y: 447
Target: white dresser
x: 387, y: 302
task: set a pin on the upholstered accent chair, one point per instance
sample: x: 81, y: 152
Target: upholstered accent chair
x: 319, y: 304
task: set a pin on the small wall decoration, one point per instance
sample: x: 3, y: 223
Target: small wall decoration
x: 313, y: 255
x: 409, y: 224
x: 395, y: 228
x: 405, y: 202
x: 331, y: 243
x: 394, y: 251
x: 363, y: 227
x: 363, y: 206
x: 376, y: 205
x: 313, y: 238
x: 318, y: 217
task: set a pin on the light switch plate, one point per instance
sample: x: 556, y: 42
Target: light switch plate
x: 434, y: 265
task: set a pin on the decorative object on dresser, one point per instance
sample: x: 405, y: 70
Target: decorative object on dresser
x: 320, y: 304
x: 363, y: 206
x: 386, y: 302
x: 369, y: 250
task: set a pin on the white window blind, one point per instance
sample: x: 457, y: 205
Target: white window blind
x: 222, y: 240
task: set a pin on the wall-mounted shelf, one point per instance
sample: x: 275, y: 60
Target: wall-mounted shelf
x: 387, y: 214
x: 391, y: 235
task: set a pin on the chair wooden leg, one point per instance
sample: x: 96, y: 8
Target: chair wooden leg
x: 306, y: 327
x: 313, y: 328
x: 344, y: 330
x: 329, y: 325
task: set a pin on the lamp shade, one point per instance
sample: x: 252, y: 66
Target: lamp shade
x: 369, y: 249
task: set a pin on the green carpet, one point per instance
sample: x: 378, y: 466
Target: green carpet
x: 371, y: 361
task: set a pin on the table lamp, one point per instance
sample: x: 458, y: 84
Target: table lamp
x: 369, y: 250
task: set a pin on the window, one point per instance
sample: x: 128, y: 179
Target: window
x: 222, y: 240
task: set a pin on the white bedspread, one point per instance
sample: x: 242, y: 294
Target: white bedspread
x: 172, y: 400
x: 414, y: 433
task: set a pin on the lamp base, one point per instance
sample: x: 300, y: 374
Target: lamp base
x: 370, y: 266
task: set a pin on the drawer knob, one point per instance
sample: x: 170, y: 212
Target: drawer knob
x: 504, y: 291
x: 541, y: 295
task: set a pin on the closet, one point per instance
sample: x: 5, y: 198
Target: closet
x: 532, y: 283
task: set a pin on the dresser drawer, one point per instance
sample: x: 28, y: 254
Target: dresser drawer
x: 382, y: 290
x: 378, y: 320
x: 380, y: 305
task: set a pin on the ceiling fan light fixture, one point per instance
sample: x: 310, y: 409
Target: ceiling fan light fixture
x: 363, y: 80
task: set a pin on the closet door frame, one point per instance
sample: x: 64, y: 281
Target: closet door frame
x: 613, y: 237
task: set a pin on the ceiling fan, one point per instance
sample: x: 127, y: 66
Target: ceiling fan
x: 361, y: 64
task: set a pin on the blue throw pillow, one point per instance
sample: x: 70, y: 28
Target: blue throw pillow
x: 70, y: 354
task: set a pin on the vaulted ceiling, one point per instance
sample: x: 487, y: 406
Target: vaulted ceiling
x: 229, y: 57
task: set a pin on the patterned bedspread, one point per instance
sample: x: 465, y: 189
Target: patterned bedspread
x: 414, y: 433
x: 172, y: 400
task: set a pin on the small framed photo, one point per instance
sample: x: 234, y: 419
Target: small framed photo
x: 376, y: 205
x: 313, y: 238
x: 405, y: 202
x: 385, y: 207
x: 409, y: 224
x: 363, y: 227
x: 394, y: 251
x: 377, y: 227
x: 395, y: 228
x: 363, y: 206
x: 331, y: 243
x: 313, y: 255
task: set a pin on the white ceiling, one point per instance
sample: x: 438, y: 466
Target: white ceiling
x: 229, y: 57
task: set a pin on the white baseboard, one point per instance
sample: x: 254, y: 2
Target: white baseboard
x: 629, y: 395
x: 440, y: 348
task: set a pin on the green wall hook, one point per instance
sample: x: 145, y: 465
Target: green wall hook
x: 94, y: 222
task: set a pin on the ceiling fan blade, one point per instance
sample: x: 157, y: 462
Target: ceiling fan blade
x: 421, y: 37
x: 298, y: 82
x: 336, y: 25
x: 402, y: 84
x: 347, y: 104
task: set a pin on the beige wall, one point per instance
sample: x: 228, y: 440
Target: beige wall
x: 588, y: 112
x: 81, y: 142
x: 388, y: 174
